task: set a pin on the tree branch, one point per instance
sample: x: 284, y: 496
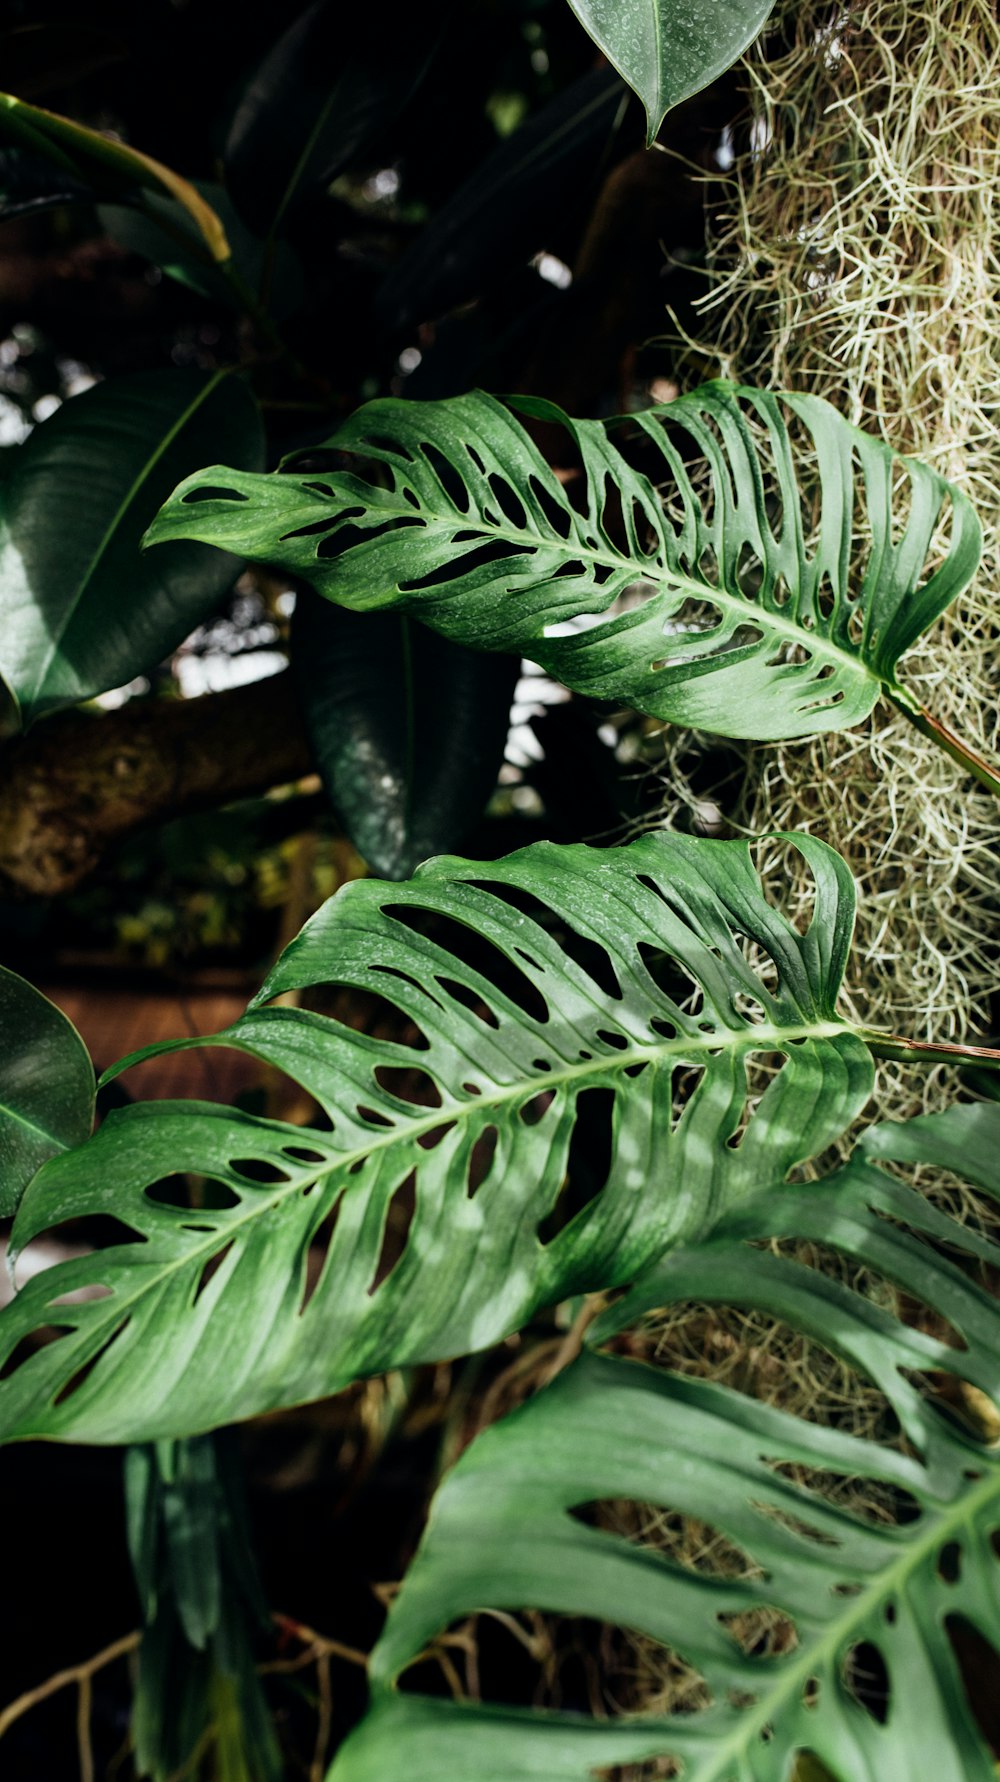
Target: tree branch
x: 80, y: 781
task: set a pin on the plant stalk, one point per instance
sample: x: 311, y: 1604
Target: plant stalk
x: 939, y: 733
x: 912, y: 1051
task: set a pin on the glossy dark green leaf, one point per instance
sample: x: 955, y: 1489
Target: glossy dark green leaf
x: 669, y: 49
x: 81, y: 610
x: 866, y: 1596
x: 329, y: 86
x: 407, y: 728
x: 163, y: 232
x: 502, y: 215
x: 439, y: 1188
x: 744, y: 562
x: 46, y: 1086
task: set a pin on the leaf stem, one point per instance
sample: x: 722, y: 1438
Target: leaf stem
x: 939, y: 733
x: 912, y: 1051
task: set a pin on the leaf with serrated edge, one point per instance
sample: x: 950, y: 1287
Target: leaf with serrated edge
x: 501, y: 1536
x: 731, y: 616
x: 508, y: 1037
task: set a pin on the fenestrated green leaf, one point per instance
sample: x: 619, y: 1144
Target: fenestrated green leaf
x: 756, y: 585
x: 502, y: 1533
x: 528, y: 986
x: 46, y: 1086
x: 669, y: 49
x: 80, y: 609
x: 408, y: 728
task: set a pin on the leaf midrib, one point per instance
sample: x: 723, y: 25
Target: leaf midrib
x: 149, y: 465
x: 755, y: 1038
x: 750, y: 611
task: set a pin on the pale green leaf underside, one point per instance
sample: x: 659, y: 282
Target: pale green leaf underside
x: 500, y: 1536
x: 692, y: 530
x: 669, y: 49
x: 530, y: 983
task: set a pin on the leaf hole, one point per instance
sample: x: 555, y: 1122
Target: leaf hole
x: 302, y: 1154
x: 175, y: 1192
x: 396, y: 1230
x: 489, y: 555
x: 949, y: 1564
x: 429, y: 1141
x: 508, y: 501
x: 212, y: 492
x: 476, y: 952
x: 408, y: 1084
x: 470, y: 1000
x: 317, y: 1250
x: 979, y: 1665
x: 372, y: 1116
x: 617, y: 1041
x: 210, y: 1268
x: 530, y: 1112
x: 449, y: 478
x: 556, y: 516
x: 588, y: 1162
x: 259, y: 1171
x: 481, y: 1159
x: 866, y: 1676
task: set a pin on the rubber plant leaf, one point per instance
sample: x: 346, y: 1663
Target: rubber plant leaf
x: 46, y: 1086
x: 502, y: 214
x: 669, y: 49
x: 562, y: 990
x: 322, y: 96
x: 114, y: 167
x: 743, y: 562
x: 82, y: 611
x: 867, y: 1683
x: 407, y: 728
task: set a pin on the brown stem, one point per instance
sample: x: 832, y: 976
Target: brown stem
x: 80, y: 781
x: 911, y: 1051
x: 974, y: 763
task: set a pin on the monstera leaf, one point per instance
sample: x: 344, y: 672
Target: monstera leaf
x: 743, y: 595
x: 669, y: 49
x: 869, y: 1685
x: 566, y: 1013
x: 46, y: 1086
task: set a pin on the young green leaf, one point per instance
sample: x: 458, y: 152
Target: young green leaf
x: 81, y: 609
x: 761, y: 563
x: 46, y: 1086
x: 407, y: 728
x: 570, y: 1100
x: 669, y: 49
x: 114, y: 167
x: 865, y: 1598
